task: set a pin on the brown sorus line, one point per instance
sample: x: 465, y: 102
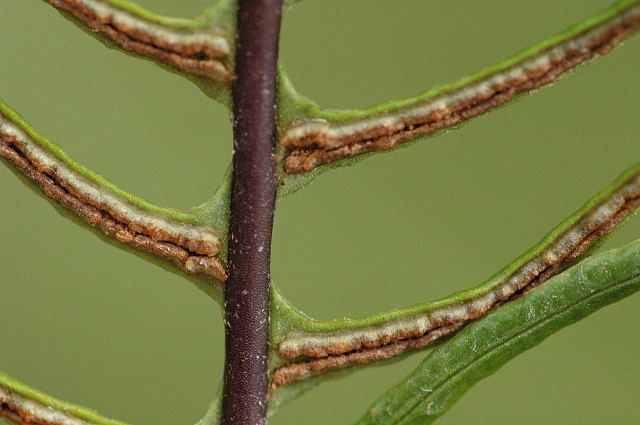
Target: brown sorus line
x: 25, y: 411
x: 201, y: 246
x: 296, y: 372
x: 10, y: 412
x: 18, y: 416
x: 13, y: 412
x: 193, y: 58
x: 593, y: 232
x: 343, y: 355
x: 314, y: 149
x: 133, y: 235
x: 585, y: 244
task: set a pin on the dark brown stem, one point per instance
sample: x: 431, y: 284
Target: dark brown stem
x: 252, y: 205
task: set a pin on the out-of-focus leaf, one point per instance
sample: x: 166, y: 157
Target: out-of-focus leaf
x: 487, y: 344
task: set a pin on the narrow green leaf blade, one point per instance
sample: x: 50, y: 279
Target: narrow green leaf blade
x: 39, y: 407
x: 489, y: 343
x: 315, y: 139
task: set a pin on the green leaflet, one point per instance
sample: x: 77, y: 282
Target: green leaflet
x: 299, y: 112
x: 168, y: 21
x: 215, y: 218
x: 312, y: 110
x: 17, y: 387
x: 218, y: 19
x: 293, y: 330
x: 287, y: 319
x: 293, y: 106
x: 90, y: 175
x: 215, y: 211
x: 485, y: 345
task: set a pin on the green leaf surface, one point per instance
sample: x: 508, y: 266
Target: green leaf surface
x: 286, y: 319
x: 297, y: 109
x: 46, y: 400
x: 313, y: 110
x: 167, y: 21
x: 487, y: 344
x: 213, y: 214
x: 219, y: 18
x: 90, y: 175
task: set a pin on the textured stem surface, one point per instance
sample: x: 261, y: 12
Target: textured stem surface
x: 252, y: 204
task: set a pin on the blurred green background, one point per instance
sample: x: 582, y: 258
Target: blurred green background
x: 90, y: 323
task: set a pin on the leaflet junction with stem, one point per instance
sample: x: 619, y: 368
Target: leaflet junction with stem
x: 273, y: 351
x: 322, y: 348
